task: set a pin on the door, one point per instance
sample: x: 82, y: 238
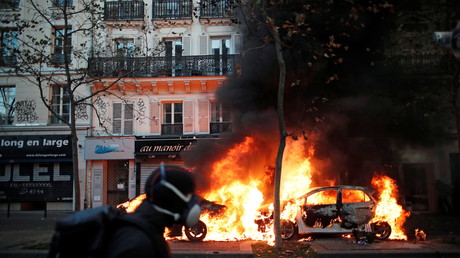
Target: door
x: 355, y: 207
x: 320, y: 208
x: 117, y: 181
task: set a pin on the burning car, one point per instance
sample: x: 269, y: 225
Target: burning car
x: 334, y: 209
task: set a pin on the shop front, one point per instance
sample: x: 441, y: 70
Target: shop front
x: 36, y: 172
x: 150, y: 153
x: 112, y: 177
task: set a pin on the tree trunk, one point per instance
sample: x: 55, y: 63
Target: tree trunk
x: 282, y: 144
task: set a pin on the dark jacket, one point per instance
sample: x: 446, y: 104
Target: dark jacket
x: 146, y: 240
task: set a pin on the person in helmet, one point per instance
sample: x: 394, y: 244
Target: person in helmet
x: 170, y: 199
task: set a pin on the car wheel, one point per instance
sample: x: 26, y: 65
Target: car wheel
x: 381, y: 229
x: 197, y: 232
x: 288, y: 229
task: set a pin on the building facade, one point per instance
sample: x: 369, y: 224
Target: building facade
x: 150, y: 68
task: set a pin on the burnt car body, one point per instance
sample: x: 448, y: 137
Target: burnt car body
x: 335, y: 209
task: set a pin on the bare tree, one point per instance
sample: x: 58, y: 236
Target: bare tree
x: 55, y: 45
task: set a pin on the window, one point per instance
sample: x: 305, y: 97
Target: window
x: 9, y: 4
x: 123, y: 121
x: 60, y: 104
x: 219, y: 113
x: 220, y: 46
x: 353, y: 196
x: 172, y: 113
x: 7, y: 99
x: 173, y: 47
x: 9, y: 44
x: 220, y: 50
x: 172, y: 119
x: 125, y: 47
x: 220, y: 118
x: 62, y: 3
x: 62, y: 45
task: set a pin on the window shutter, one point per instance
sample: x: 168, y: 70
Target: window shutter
x: 188, y: 116
x: 203, y: 45
x: 203, y: 116
x: 116, y: 125
x: 186, y: 45
x: 238, y: 43
x: 128, y: 119
x: 155, y: 117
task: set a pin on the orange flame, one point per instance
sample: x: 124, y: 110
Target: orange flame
x: 237, y: 185
x: 387, y: 208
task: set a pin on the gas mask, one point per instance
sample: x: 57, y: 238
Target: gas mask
x: 191, y: 214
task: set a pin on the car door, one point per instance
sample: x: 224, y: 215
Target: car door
x: 355, y: 207
x: 320, y: 208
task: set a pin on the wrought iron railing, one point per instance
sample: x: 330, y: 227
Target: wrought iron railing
x: 206, y: 65
x: 171, y: 9
x: 172, y: 129
x: 9, y: 4
x: 220, y: 127
x: 124, y: 10
x: 217, y: 8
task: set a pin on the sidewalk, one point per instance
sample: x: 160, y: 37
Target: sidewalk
x: 25, y: 232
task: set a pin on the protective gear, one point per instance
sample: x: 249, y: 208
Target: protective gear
x: 190, y: 215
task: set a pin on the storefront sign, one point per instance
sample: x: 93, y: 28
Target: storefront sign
x: 158, y: 147
x: 109, y: 148
x: 36, y: 182
x: 35, y: 147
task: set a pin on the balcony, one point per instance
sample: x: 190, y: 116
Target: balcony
x: 206, y: 65
x: 124, y: 10
x: 9, y: 4
x: 220, y: 127
x: 217, y: 8
x: 172, y: 129
x: 171, y: 9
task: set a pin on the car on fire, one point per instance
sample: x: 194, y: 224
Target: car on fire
x: 334, y: 209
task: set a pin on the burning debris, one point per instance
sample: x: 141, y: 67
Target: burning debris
x: 420, y: 235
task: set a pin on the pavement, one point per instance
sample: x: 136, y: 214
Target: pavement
x: 27, y: 234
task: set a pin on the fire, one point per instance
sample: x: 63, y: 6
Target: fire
x: 387, y: 208
x: 131, y: 205
x: 244, y: 186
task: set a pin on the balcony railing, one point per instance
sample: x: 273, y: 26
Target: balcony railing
x: 9, y: 4
x: 172, y: 129
x: 217, y: 8
x: 208, y: 65
x: 221, y: 127
x: 171, y: 9
x: 124, y: 10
